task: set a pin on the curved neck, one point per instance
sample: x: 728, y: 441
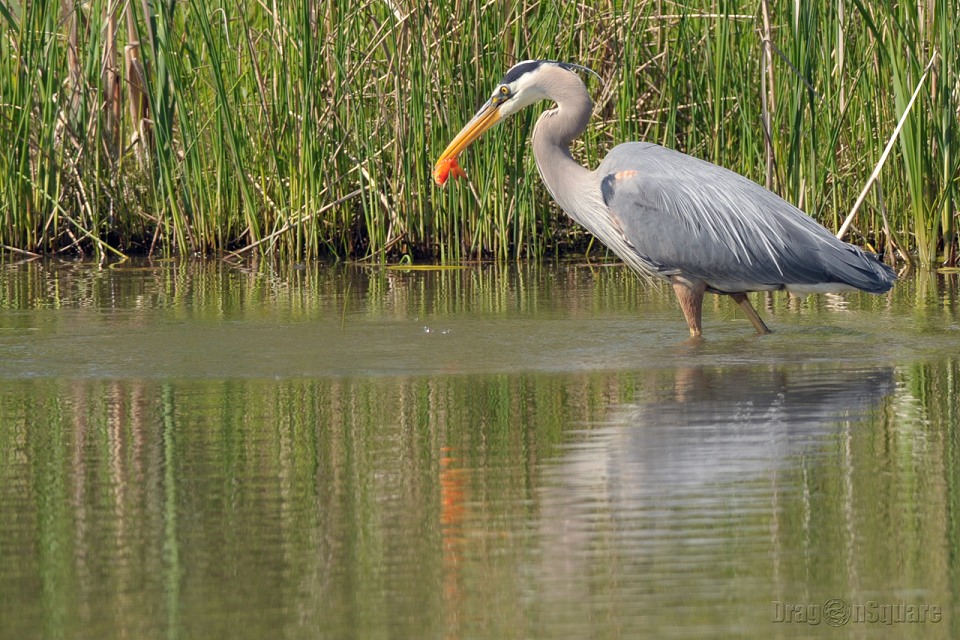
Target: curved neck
x: 553, y: 133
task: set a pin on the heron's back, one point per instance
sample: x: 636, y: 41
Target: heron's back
x: 682, y: 215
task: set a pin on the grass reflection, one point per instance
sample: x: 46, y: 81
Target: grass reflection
x: 430, y: 504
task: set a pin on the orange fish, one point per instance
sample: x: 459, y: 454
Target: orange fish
x: 445, y: 167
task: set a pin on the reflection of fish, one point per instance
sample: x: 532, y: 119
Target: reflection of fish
x: 722, y: 424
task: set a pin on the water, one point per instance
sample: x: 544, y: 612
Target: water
x: 201, y: 450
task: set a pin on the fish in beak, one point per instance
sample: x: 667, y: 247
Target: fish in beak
x: 486, y: 117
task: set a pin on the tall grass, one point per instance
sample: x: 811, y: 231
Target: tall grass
x: 307, y: 128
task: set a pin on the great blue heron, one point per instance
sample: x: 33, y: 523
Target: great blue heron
x: 666, y: 214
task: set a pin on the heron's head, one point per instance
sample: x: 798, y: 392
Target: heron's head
x: 525, y: 83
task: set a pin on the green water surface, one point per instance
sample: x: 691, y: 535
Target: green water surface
x: 207, y: 450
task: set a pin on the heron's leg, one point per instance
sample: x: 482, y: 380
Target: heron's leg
x: 690, y: 295
x: 744, y: 302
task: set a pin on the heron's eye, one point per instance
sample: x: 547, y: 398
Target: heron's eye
x: 501, y: 95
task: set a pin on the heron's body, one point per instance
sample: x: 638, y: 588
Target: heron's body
x: 668, y: 215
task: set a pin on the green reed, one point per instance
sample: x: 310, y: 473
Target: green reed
x: 308, y: 128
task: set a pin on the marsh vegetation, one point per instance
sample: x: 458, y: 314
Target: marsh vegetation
x: 307, y: 129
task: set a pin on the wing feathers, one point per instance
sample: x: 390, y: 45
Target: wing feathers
x: 684, y: 215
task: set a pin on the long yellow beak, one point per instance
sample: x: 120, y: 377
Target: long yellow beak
x: 486, y: 117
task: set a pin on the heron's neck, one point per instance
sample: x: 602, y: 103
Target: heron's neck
x: 552, y: 135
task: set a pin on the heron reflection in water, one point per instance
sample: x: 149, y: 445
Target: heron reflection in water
x: 700, y: 227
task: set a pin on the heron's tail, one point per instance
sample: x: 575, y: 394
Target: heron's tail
x: 863, y: 270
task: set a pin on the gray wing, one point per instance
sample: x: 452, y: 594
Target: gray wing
x: 687, y: 216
